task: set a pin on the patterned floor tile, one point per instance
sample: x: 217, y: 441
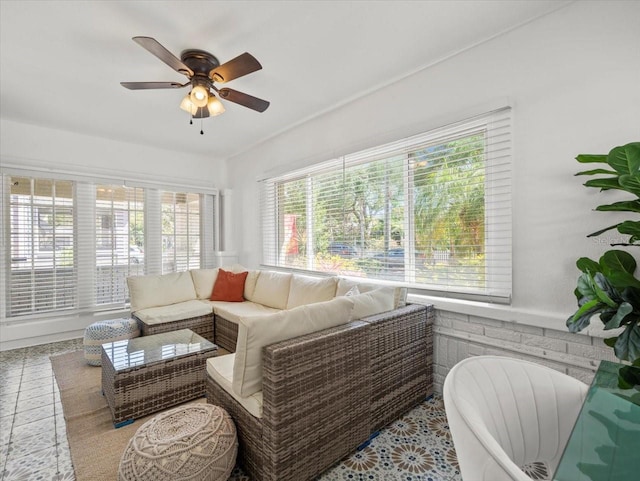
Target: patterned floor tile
x: 34, y: 392
x: 40, y: 427
x: 32, y: 415
x: 37, y: 383
x: 35, y: 402
x: 43, y: 466
x: 31, y: 444
x: 31, y: 373
x: 6, y: 422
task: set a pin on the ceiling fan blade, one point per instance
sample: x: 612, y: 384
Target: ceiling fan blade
x: 153, y: 46
x: 241, y: 65
x: 246, y: 100
x: 152, y: 85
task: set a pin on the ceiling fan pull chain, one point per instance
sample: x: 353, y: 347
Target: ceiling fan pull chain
x: 201, y: 131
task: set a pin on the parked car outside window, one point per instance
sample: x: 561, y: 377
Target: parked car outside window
x: 342, y: 250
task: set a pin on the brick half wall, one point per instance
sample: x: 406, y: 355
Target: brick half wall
x: 458, y: 336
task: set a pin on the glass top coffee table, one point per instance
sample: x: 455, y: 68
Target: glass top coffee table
x: 146, y: 374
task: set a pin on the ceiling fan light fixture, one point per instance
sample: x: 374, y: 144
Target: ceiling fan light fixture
x: 187, y: 105
x: 215, y: 106
x: 199, y: 96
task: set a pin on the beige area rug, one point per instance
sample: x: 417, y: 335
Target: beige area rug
x: 96, y: 446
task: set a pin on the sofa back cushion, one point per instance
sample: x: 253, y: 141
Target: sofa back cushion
x: 256, y: 332
x: 203, y: 281
x: 372, y: 302
x: 307, y: 290
x: 160, y: 290
x: 345, y: 285
x: 250, y: 285
x: 272, y: 289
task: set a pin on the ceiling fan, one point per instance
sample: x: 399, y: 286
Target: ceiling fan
x: 203, y: 71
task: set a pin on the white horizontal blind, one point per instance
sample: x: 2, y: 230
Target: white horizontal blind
x: 180, y: 231
x: 42, y: 272
x: 432, y: 211
x: 72, y: 244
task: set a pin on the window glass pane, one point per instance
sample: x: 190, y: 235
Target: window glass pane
x: 42, y: 274
x: 432, y: 211
x: 119, y: 241
x: 180, y: 231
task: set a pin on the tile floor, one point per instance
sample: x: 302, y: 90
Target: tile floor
x: 33, y: 441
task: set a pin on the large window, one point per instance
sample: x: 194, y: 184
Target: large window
x: 432, y: 211
x: 72, y: 243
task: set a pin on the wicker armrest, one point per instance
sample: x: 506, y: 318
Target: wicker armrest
x: 316, y: 392
x: 401, y: 361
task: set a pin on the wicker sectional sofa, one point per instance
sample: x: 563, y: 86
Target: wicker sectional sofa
x: 315, y: 365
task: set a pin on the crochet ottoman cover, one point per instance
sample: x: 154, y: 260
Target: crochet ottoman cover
x: 101, y: 332
x: 195, y: 442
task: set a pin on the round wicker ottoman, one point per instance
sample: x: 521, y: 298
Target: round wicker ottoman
x: 196, y: 442
x: 106, y: 331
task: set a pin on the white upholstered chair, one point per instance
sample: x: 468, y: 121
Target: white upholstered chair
x: 508, y: 416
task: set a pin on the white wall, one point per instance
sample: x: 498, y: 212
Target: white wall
x: 23, y: 144
x: 33, y: 146
x: 573, y: 79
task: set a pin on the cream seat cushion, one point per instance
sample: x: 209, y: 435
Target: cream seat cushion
x: 174, y: 312
x: 256, y: 332
x: 233, y: 311
x: 220, y: 368
x: 160, y: 290
x: 308, y: 290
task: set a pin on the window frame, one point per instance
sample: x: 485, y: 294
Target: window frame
x: 496, y: 126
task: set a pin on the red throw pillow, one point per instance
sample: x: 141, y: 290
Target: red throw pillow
x: 229, y: 286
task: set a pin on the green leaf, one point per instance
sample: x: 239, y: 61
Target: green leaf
x: 617, y: 261
x: 627, y: 347
x: 630, y: 183
x: 623, y: 206
x: 610, y: 341
x: 605, y: 184
x: 628, y: 377
x: 631, y: 228
x: 625, y: 159
x: 588, y: 266
x: 615, y: 322
x: 585, y: 288
x: 621, y: 280
x: 601, y: 287
x: 597, y: 171
x: 582, y: 317
x: 594, y: 234
x: 591, y: 158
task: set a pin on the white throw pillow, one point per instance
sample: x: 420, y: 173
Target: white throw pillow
x: 250, y: 285
x: 399, y: 293
x: 203, y: 281
x: 372, y: 302
x: 256, y: 332
x: 272, y: 289
x: 308, y: 290
x: 160, y: 290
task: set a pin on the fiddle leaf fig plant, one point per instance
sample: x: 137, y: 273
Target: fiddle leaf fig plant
x: 609, y: 287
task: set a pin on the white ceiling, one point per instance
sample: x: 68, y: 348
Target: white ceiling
x: 61, y: 62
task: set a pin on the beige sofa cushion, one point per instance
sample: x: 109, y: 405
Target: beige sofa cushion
x: 272, y: 289
x: 345, y: 285
x: 160, y: 290
x: 308, y: 290
x: 203, y: 281
x: 174, y: 312
x: 220, y: 368
x: 372, y: 302
x: 250, y: 285
x: 234, y: 311
x: 256, y: 332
